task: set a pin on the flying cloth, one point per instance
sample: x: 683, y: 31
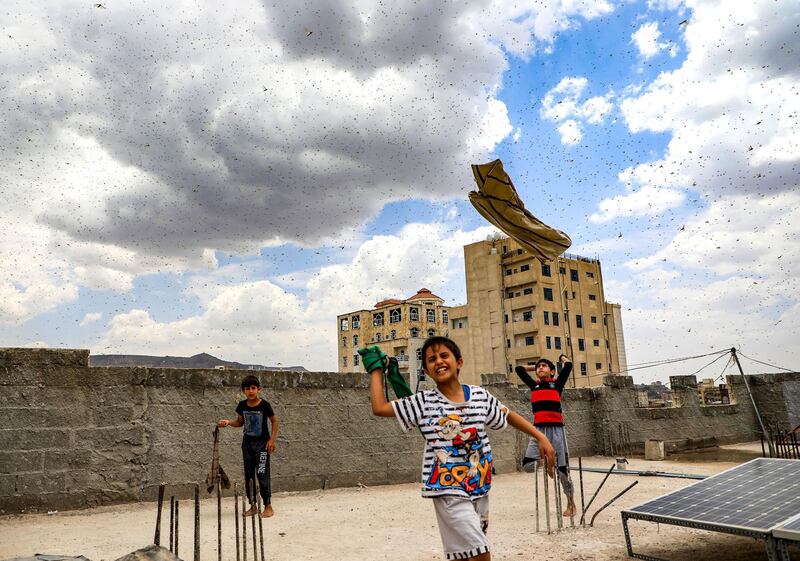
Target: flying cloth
x: 498, y: 202
x: 373, y: 357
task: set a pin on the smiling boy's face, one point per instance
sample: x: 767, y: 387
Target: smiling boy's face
x: 441, y: 363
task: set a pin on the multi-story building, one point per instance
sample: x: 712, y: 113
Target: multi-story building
x: 710, y: 394
x: 520, y: 309
x: 398, y: 327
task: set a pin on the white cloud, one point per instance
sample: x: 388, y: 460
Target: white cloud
x: 562, y: 104
x: 646, y: 39
x: 91, y: 317
x: 648, y: 200
x: 570, y: 132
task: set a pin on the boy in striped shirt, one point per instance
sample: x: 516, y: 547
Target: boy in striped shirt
x: 549, y: 419
x: 457, y: 459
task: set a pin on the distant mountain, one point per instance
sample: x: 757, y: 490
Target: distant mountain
x: 203, y: 360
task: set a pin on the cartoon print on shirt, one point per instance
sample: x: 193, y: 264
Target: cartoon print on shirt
x: 460, y: 464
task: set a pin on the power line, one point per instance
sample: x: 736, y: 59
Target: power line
x: 644, y: 365
x: 710, y: 363
x: 765, y: 363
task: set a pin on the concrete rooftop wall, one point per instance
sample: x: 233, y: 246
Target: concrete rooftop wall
x: 73, y: 436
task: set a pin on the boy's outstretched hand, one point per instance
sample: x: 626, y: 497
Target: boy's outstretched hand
x: 547, y: 451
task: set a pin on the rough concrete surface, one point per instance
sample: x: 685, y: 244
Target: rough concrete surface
x: 394, y: 522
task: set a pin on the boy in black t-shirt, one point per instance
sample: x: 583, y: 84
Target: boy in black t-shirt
x: 257, y: 444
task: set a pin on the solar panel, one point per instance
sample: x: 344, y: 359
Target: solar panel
x: 760, y: 499
x: 789, y: 530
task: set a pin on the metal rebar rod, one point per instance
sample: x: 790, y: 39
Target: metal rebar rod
x: 546, y: 495
x: 236, y: 520
x: 172, y: 523
x: 580, y: 476
x: 583, y: 514
x: 253, y: 518
x: 536, y: 490
x: 618, y: 495
x: 557, y: 492
x: 260, y: 520
x: 177, y: 518
x: 157, y: 536
x: 244, y: 522
x: 196, y: 522
x: 219, y: 520
x: 647, y: 473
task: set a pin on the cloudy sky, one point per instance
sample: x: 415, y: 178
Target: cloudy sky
x: 228, y: 176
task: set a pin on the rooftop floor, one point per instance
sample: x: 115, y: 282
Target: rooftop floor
x: 393, y: 522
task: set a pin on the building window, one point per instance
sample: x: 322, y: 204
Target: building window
x: 545, y: 270
x: 355, y: 340
x: 505, y: 318
x: 581, y: 345
x: 578, y: 320
x: 378, y: 336
x: 508, y: 343
x: 573, y: 295
x: 594, y: 319
x: 414, y: 332
x: 344, y: 361
x: 419, y: 355
x: 508, y: 272
x: 590, y: 274
x: 393, y: 334
x: 555, y: 318
x: 547, y: 318
x: 377, y: 319
x: 430, y: 315
x: 605, y: 320
x: 524, y: 268
x: 413, y: 314
x: 607, y: 345
x: 592, y: 297
x: 548, y: 342
x: 510, y: 294
x: 596, y: 342
x: 344, y: 341
x: 445, y: 317
x: 394, y: 315
x: 355, y: 360
x: 527, y: 316
x: 598, y: 365
x: 527, y: 291
x: 562, y: 270
x: 583, y: 369
x: 344, y: 326
x: 557, y: 342
x: 431, y: 332
x: 529, y: 340
x: 573, y: 275
x: 519, y: 252
x: 356, y: 321
x: 548, y: 294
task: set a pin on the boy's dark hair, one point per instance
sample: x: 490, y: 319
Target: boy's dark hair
x: 437, y: 341
x: 547, y: 362
x: 250, y: 381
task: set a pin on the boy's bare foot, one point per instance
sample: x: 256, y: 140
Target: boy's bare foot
x: 267, y: 512
x: 571, y: 511
x: 252, y: 510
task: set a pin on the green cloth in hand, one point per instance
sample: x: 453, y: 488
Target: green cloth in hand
x: 397, y: 381
x: 372, y: 358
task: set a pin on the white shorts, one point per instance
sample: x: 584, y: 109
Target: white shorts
x: 462, y: 525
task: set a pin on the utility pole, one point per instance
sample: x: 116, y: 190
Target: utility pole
x: 753, y: 401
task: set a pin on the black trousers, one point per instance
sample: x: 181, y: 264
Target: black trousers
x: 256, y: 466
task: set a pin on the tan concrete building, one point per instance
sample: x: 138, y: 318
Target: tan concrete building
x: 520, y: 309
x: 398, y: 327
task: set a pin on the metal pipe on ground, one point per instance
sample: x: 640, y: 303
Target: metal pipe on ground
x: 644, y: 473
x: 244, y: 523
x: 557, y: 489
x: 253, y: 518
x: 177, y: 517
x: 580, y: 475
x: 260, y: 520
x: 536, y: 491
x: 172, y: 523
x: 219, y: 520
x: 546, y: 495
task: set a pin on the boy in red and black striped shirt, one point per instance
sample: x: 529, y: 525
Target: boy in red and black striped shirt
x: 548, y: 418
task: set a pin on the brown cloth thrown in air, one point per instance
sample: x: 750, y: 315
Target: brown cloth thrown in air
x: 498, y: 202
x: 217, y: 474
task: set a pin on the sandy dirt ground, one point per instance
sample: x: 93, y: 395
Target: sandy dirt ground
x: 394, y: 522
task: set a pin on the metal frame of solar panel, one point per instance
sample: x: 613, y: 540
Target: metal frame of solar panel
x: 787, y: 532
x: 748, y: 500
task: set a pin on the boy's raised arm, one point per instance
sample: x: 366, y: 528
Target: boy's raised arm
x: 545, y: 448
x: 237, y: 422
